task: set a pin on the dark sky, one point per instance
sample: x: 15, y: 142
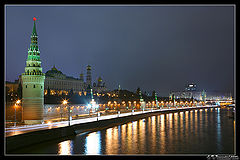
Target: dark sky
x: 158, y: 48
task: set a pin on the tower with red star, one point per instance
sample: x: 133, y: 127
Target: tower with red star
x: 33, y: 83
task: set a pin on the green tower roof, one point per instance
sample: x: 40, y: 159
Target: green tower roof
x: 34, y: 32
x: 88, y: 67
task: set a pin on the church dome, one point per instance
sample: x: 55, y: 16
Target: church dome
x: 99, y: 79
x: 54, y: 72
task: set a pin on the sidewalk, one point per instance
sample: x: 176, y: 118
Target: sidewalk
x: 84, y: 119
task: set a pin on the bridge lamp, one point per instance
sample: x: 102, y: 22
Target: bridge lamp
x: 89, y: 106
x: 64, y: 102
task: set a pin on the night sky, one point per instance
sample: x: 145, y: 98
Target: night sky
x: 158, y: 48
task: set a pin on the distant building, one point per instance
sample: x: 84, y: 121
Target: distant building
x: 59, y: 83
x: 191, y: 87
x: 192, y: 91
x: 99, y: 87
x: 12, y: 86
x: 12, y: 91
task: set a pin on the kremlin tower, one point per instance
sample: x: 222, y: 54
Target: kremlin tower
x: 33, y: 83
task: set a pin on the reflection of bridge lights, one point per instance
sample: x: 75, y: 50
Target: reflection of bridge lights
x: 93, y: 143
x: 170, y: 116
x: 65, y: 148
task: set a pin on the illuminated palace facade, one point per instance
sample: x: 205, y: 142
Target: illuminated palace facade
x: 58, y: 83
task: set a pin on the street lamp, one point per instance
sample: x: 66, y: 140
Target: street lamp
x: 98, y: 111
x: 65, y: 102
x: 15, y: 107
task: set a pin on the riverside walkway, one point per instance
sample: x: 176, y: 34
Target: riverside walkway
x: 11, y: 131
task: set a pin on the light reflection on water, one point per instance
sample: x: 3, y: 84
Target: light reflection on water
x: 219, y: 130
x: 190, y: 132
x: 65, y: 147
x: 93, y: 146
x: 142, y: 128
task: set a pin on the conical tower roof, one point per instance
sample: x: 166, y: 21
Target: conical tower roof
x: 33, y: 63
x: 88, y: 67
x: 34, y: 32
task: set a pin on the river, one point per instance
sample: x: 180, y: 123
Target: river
x: 200, y: 131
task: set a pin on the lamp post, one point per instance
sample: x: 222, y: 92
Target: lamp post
x: 61, y: 112
x: 97, y: 108
x: 15, y: 107
x: 65, y: 103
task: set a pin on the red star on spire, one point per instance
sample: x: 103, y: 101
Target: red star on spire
x: 34, y: 19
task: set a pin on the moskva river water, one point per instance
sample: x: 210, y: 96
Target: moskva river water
x: 200, y: 131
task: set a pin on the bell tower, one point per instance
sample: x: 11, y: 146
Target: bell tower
x: 89, y: 76
x: 33, y: 83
